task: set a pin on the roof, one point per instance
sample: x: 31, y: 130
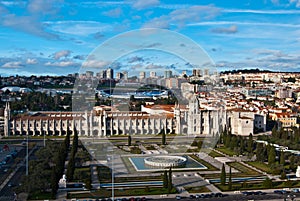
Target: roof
x: 169, y: 108
x: 45, y: 118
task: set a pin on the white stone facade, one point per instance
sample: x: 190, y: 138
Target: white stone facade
x: 189, y: 120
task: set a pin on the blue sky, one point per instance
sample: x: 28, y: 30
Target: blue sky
x: 55, y: 36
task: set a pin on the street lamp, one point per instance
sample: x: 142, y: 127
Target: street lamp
x: 27, y: 155
x: 112, y: 176
x: 44, y: 139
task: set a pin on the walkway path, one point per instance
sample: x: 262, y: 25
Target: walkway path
x: 15, y: 170
x: 94, y: 176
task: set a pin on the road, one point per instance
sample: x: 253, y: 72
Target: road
x: 227, y: 197
x: 7, y: 193
x: 238, y: 197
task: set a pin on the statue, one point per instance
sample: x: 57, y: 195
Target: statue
x: 298, y: 172
x: 63, y: 182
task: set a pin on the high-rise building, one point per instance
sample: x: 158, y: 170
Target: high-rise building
x: 101, y: 74
x: 142, y: 75
x: 206, y: 72
x: 110, y: 73
x: 168, y: 74
x: 197, y: 72
x: 153, y: 74
x: 119, y: 75
x: 89, y: 74
x: 125, y: 75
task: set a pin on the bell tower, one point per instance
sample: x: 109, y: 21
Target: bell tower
x: 7, y: 119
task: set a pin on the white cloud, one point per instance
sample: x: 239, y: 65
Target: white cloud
x: 181, y: 17
x: 194, y: 13
x: 276, y: 2
x: 297, y: 2
x: 230, y: 30
x: 79, y: 28
x: 113, y: 13
x: 61, y: 63
x: 13, y: 3
x: 31, y: 61
x: 277, y: 53
x: 143, y: 4
x: 210, y: 23
x: 13, y: 64
x: 162, y: 22
x: 154, y: 66
x: 62, y: 53
x: 271, y: 12
x: 102, y: 4
x: 44, y: 6
x: 26, y: 24
x: 92, y: 63
x: 31, y: 23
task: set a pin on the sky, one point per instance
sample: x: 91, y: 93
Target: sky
x: 55, y: 37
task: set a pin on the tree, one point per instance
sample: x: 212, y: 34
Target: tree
x: 260, y: 156
x: 250, y: 144
x: 54, y: 182
x: 292, y: 162
x: 271, y: 155
x: 163, y: 138
x: 71, y: 163
x: 282, y: 160
x: 233, y: 143
x: 70, y: 169
x: 228, y: 140
x: 170, y: 185
x: 274, y: 132
x: 223, y: 175
x: 283, y: 175
x: 229, y: 180
x: 75, y: 140
x: 165, y: 179
x: 267, y: 183
x: 242, y: 145
x: 129, y: 140
x: 132, y: 99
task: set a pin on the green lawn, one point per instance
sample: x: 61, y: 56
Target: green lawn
x: 104, y: 193
x: 214, y: 154
x: 104, y: 174
x: 197, y: 189
x: 128, y: 164
x: 39, y: 196
x: 203, y: 162
x: 261, y: 166
x: 244, y: 169
x: 257, y: 185
x: 83, y: 175
x: 226, y: 151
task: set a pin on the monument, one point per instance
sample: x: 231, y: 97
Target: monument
x: 165, y: 161
x: 62, y: 182
x: 298, y: 172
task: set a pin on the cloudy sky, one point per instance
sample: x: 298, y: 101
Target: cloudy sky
x: 56, y: 36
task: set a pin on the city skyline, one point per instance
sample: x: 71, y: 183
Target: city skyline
x: 55, y: 37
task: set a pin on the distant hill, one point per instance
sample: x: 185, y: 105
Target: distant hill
x: 247, y: 71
